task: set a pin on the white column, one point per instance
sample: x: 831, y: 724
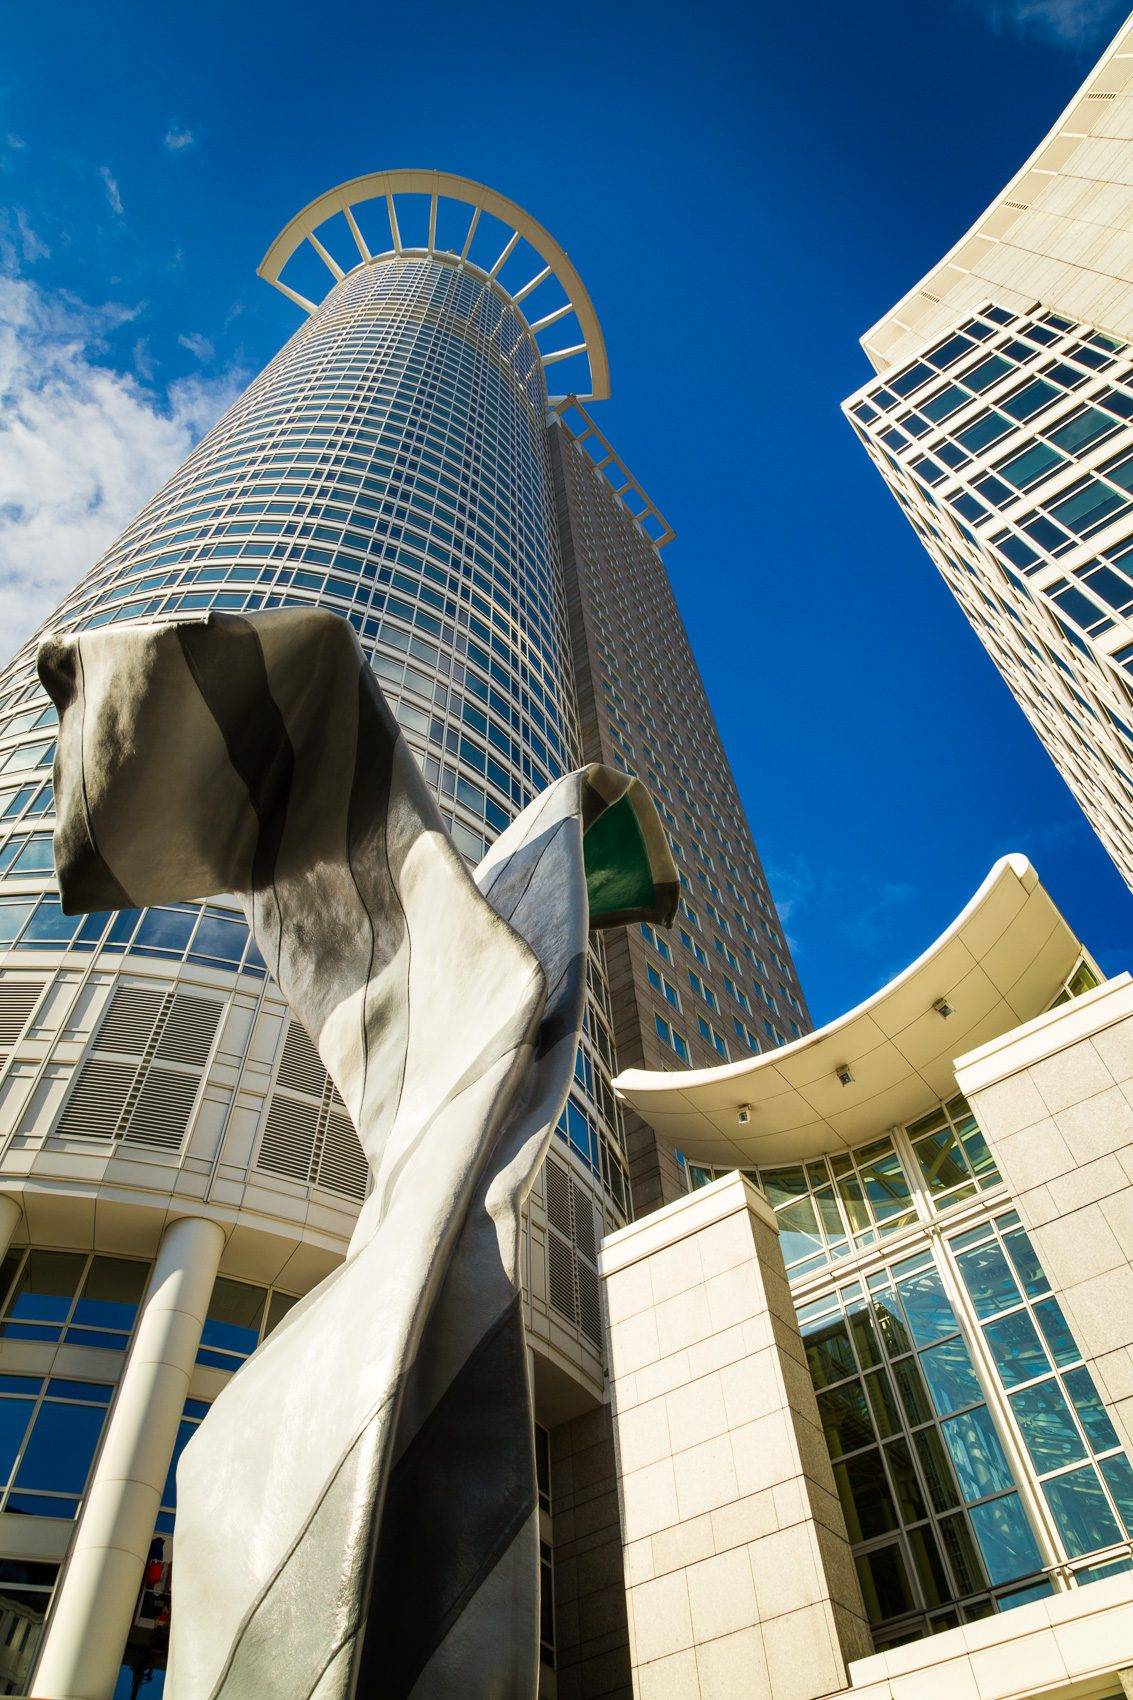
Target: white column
x: 87, y: 1631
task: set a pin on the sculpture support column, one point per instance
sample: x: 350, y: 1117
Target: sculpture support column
x: 88, y: 1628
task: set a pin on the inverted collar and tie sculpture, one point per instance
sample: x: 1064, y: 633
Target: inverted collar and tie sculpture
x: 357, y: 1515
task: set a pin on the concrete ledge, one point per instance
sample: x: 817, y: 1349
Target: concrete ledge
x: 1052, y: 1031
x: 1054, y: 1647
x: 689, y: 1215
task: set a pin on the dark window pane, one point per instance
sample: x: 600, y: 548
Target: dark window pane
x: 112, y: 1292
x: 938, y: 1471
x: 1082, y: 1512
x: 14, y: 1414
x: 866, y: 1500
x: 165, y: 930
x: 940, y: 1160
x: 974, y: 1448
x: 963, y: 1556
x: 926, y: 1557
x: 910, y: 1499
x: 59, y: 1452
x: 219, y: 939
x: 1005, y: 1539
x: 47, y: 1285
x: 828, y: 1352
x: 884, y: 1583
x: 910, y: 1385
x: 234, y: 1316
x: 845, y: 1419
x: 278, y: 1306
x: 882, y: 1403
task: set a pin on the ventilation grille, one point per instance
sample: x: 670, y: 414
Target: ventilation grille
x: 17, y: 1000
x: 572, y: 1252
x: 308, y: 1134
x: 300, y: 1067
x: 140, y: 1081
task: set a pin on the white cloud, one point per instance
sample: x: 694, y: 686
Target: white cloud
x: 111, y: 186
x: 1071, y: 23
x: 82, y: 446
x: 176, y: 139
x: 198, y: 345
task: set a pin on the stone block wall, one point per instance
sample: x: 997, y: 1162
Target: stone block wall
x: 1055, y: 1101
x: 739, y: 1578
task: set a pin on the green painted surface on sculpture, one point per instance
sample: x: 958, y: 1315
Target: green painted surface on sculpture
x: 619, y: 879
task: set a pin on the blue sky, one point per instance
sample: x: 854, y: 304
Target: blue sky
x: 744, y: 189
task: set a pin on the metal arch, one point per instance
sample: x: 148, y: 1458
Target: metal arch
x: 381, y: 185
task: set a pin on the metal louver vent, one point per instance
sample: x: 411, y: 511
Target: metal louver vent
x: 557, y: 1194
x: 130, y: 1020
x: 288, y: 1144
x: 342, y: 1162
x: 17, y: 1000
x: 300, y: 1067
x: 560, y: 1278
x: 161, y: 1114
x: 589, y: 1306
x: 584, y: 1224
x: 189, y: 1031
x: 95, y: 1106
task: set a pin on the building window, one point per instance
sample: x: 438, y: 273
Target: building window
x: 239, y: 1317
x: 952, y: 1154
x: 1072, y: 1446
x: 49, y: 1430
x: 70, y: 1297
x: 192, y: 1415
x: 933, y: 1510
x: 837, y: 1206
x: 25, y: 1593
x: 675, y: 1041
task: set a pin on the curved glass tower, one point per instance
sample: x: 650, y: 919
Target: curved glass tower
x: 394, y: 463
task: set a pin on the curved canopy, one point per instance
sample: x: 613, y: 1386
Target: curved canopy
x: 1000, y: 963
x: 443, y: 186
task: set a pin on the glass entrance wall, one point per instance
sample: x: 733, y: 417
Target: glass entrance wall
x: 974, y: 1459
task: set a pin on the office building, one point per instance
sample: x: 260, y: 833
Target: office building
x: 165, y: 1124
x: 871, y: 1377
x: 1001, y: 418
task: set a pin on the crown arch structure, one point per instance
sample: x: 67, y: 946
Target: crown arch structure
x: 565, y: 327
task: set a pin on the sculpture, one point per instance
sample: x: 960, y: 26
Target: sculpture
x: 357, y: 1514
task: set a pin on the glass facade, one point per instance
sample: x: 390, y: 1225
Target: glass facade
x: 1009, y: 445
x: 975, y: 1463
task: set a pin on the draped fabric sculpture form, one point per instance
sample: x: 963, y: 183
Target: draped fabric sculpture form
x: 357, y: 1514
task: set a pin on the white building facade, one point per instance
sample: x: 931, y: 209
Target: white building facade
x: 871, y: 1377
x: 1002, y: 420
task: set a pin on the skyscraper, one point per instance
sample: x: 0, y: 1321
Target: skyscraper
x: 166, y: 1125
x: 1002, y: 420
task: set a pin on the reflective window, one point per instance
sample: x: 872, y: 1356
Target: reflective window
x: 952, y: 1153
x: 836, y: 1206
x: 240, y: 1315
x: 931, y: 1502
x: 25, y: 1593
x: 48, y: 1434
x: 1069, y: 1439
x: 69, y: 1296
